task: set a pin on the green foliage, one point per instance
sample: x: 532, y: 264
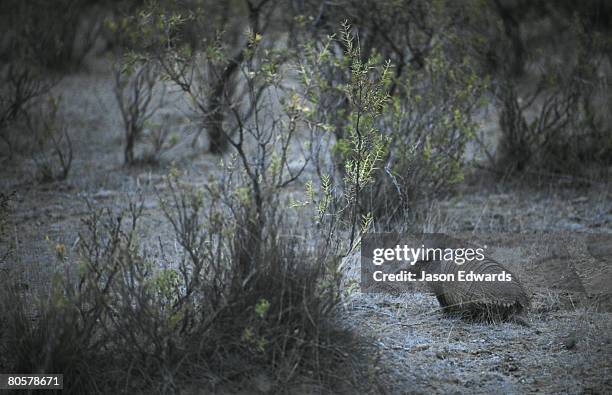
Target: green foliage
x: 360, y: 145
x: 396, y: 140
x: 429, y: 123
x: 146, y: 315
x: 262, y: 307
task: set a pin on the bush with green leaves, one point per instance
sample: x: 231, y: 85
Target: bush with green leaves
x: 241, y: 291
x: 124, y: 318
x: 408, y: 146
x: 429, y: 123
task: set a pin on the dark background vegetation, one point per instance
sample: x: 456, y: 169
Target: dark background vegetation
x: 316, y: 121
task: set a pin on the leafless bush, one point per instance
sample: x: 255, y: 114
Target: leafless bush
x: 21, y: 85
x: 135, y: 84
x: 52, y: 152
x: 31, y: 126
x: 552, y: 129
x: 160, y: 137
x: 552, y: 126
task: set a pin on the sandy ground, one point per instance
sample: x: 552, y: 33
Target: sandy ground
x: 565, y: 348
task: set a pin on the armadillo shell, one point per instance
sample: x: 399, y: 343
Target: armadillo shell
x: 478, y: 299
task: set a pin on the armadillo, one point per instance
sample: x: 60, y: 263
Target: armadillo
x: 489, y: 300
